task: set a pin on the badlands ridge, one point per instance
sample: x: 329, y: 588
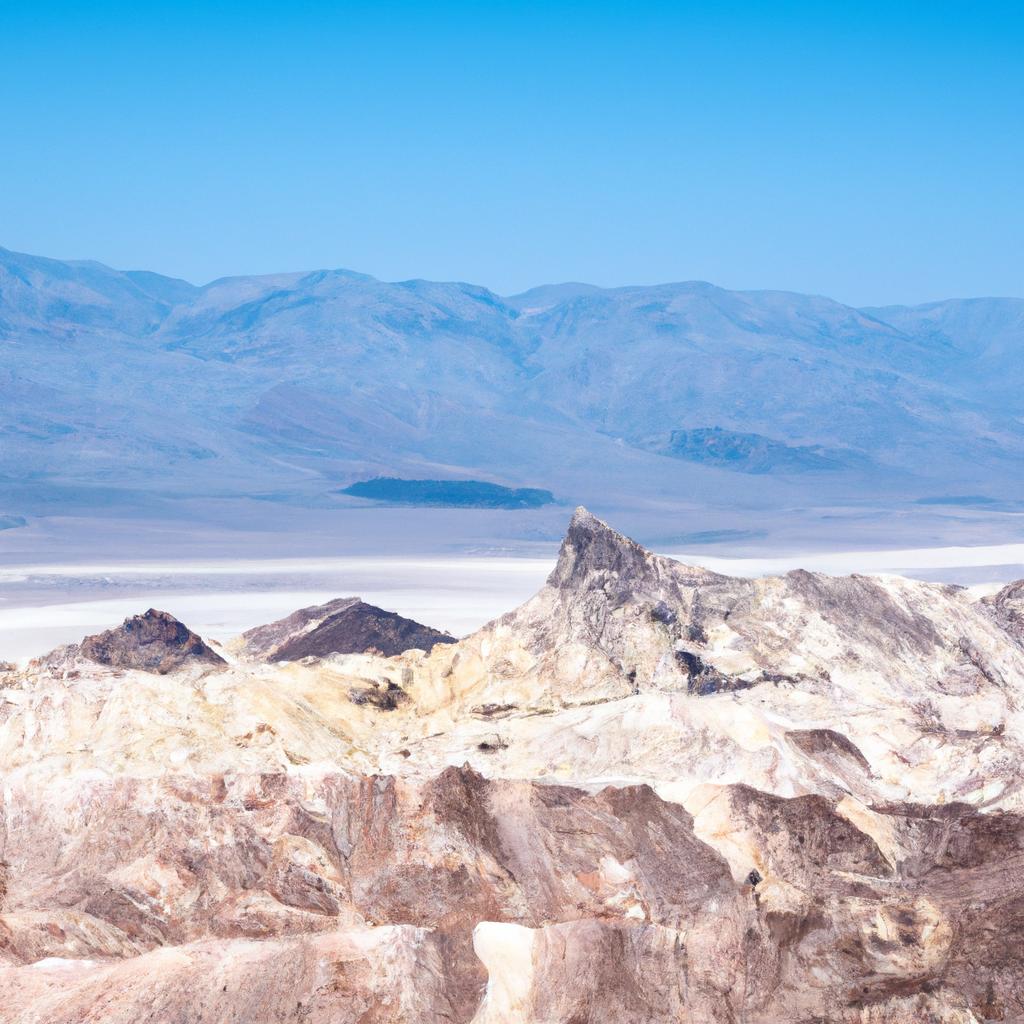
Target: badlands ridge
x: 652, y: 793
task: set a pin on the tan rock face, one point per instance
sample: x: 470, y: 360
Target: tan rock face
x: 650, y: 794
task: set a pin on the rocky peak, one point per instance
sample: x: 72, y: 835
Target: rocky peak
x: 616, y: 621
x: 592, y: 547
x: 153, y: 642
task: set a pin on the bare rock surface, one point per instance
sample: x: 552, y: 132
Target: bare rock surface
x: 650, y: 794
x: 152, y: 642
x: 649, y: 670
x: 1007, y: 608
x: 342, y: 626
x: 469, y: 899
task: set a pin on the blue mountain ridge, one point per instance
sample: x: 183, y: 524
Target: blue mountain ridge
x: 295, y: 386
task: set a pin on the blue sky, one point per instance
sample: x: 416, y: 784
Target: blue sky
x: 872, y: 152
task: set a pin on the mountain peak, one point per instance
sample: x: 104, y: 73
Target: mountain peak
x: 591, y: 545
x: 153, y: 642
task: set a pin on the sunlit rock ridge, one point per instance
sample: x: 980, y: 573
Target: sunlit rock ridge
x: 652, y: 793
x: 132, y: 392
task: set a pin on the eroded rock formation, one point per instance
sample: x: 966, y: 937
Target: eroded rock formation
x: 650, y: 794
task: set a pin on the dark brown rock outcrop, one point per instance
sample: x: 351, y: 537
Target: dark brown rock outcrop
x: 344, y: 626
x: 828, y: 745
x: 152, y: 642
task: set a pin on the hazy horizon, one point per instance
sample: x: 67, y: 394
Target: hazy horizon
x: 622, y: 286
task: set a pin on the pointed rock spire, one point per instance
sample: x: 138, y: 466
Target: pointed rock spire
x: 592, y: 546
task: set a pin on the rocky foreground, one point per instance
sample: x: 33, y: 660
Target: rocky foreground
x: 650, y: 794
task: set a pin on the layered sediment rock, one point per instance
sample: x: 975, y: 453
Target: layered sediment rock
x: 469, y: 899
x: 650, y: 794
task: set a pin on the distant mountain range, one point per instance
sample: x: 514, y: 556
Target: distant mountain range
x: 131, y: 391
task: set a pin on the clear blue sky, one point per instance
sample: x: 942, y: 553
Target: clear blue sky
x: 873, y: 152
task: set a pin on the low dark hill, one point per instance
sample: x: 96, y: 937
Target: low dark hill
x: 343, y: 626
x: 153, y: 642
x: 449, y: 493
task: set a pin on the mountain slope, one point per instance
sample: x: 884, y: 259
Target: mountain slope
x: 292, y: 386
x: 983, y: 339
